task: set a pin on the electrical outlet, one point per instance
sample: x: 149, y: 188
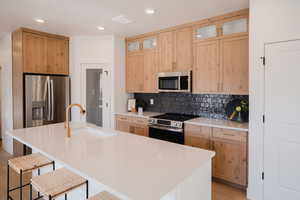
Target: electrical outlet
x: 151, y: 101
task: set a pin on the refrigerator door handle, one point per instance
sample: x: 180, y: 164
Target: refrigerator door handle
x: 49, y: 99
x: 52, y: 100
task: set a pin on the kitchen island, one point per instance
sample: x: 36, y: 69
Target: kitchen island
x: 129, y: 166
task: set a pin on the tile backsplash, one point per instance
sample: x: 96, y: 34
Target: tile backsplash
x: 203, y: 105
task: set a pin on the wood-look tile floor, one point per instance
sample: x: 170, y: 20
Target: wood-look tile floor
x: 219, y: 191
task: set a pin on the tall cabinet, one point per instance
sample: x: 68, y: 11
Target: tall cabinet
x: 34, y: 52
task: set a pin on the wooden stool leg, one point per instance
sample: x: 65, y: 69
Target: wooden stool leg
x: 7, y: 182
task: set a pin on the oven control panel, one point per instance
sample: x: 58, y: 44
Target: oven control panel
x: 163, y: 122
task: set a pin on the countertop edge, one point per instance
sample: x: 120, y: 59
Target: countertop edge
x: 216, y: 126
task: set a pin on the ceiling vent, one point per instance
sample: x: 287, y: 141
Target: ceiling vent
x: 121, y: 19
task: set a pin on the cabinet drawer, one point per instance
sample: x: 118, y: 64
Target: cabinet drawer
x: 123, y: 118
x: 140, y: 120
x: 227, y: 134
x: 197, y: 131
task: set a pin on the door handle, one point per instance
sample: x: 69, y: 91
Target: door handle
x: 52, y: 99
x: 49, y: 99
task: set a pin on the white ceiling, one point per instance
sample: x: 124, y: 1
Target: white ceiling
x: 81, y: 17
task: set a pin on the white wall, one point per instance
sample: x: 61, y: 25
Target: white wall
x: 6, y: 90
x: 270, y: 21
x: 107, y: 49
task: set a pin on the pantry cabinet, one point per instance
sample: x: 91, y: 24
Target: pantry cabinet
x: 230, y: 161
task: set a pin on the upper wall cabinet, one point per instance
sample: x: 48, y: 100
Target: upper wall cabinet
x: 206, y: 32
x: 142, y: 65
x: 133, y: 46
x: 175, y: 50
x: 223, y: 28
x: 34, y: 53
x: 235, y: 26
x: 43, y: 53
x: 234, y: 65
x: 214, y: 49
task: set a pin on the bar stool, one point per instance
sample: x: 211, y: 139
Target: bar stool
x: 23, y: 165
x: 104, y: 196
x: 57, y: 183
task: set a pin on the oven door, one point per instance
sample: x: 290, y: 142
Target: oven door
x: 167, y: 134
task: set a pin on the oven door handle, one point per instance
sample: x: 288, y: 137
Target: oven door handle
x: 179, y: 130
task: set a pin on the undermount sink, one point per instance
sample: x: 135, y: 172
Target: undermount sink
x: 91, y: 131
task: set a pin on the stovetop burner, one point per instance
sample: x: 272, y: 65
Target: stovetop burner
x: 175, y: 117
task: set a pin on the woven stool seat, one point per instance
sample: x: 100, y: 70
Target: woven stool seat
x: 104, y: 196
x: 57, y: 182
x: 29, y: 162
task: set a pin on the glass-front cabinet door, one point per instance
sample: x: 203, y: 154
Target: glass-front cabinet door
x: 206, y: 32
x: 150, y: 43
x: 235, y: 26
x: 133, y: 46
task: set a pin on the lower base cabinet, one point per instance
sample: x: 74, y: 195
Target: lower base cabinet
x: 230, y: 161
x: 132, y: 125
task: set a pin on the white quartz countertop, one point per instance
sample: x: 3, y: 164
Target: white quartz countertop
x: 136, y: 114
x: 226, y: 124
x: 137, y: 167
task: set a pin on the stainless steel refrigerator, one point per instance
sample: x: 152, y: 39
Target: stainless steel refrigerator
x: 46, y: 99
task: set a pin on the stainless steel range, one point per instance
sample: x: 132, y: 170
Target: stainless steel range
x: 169, y: 127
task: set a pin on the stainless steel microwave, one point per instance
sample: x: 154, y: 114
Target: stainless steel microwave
x: 174, y: 81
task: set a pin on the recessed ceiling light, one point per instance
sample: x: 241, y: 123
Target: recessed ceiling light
x: 149, y: 11
x: 101, y: 28
x: 39, y: 20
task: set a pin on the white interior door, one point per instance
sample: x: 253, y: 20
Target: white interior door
x: 96, y: 95
x: 282, y: 126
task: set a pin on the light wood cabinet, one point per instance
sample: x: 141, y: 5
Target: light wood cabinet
x: 230, y: 161
x: 197, y: 136
x: 175, y: 50
x: 183, y: 55
x: 234, y: 65
x: 135, y: 73
x: 221, y: 66
x: 134, y: 125
x: 34, y: 53
x: 166, y: 47
x: 150, y: 71
x: 215, y: 49
x: 44, y: 54
x: 139, y: 129
x: 57, y: 56
x: 206, y: 68
x: 142, y: 66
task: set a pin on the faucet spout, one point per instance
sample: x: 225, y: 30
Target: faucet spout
x: 67, y: 122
